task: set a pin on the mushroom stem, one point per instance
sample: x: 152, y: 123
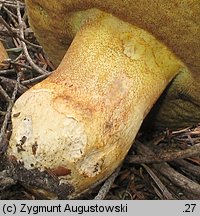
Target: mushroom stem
x: 85, y: 116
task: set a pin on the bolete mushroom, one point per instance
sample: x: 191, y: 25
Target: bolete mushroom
x: 81, y: 121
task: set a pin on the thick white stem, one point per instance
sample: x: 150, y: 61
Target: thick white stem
x: 85, y: 116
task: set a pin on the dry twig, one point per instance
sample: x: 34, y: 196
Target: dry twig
x: 11, y: 3
x: 35, y: 79
x: 12, y: 16
x: 107, y: 185
x: 7, y: 72
x: 8, y: 114
x: 4, y: 93
x: 21, y: 29
x: 12, y: 82
x: 188, y: 167
x: 178, y: 179
x: 164, y: 156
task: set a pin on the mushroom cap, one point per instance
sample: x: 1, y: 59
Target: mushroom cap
x: 174, y: 22
x: 3, y: 56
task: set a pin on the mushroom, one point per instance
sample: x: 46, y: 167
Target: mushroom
x: 3, y: 56
x: 115, y: 60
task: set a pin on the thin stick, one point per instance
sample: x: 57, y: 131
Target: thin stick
x: 8, y: 113
x: 178, y: 179
x: 34, y: 66
x: 12, y: 82
x: 6, y: 25
x: 28, y: 42
x: 9, y: 12
x: 11, y: 15
x: 164, y: 156
x: 11, y: 33
x: 35, y: 79
x: 7, y: 71
x: 158, y: 182
x: 19, y: 64
x: 107, y: 185
x: 12, y: 3
x: 188, y: 167
x: 4, y: 93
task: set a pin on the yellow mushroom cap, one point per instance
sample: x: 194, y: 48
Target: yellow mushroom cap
x: 3, y: 57
x: 175, y: 23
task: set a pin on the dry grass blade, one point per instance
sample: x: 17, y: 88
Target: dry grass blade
x: 107, y: 185
x: 195, y: 160
x: 165, y: 193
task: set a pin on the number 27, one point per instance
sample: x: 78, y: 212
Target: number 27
x: 190, y: 207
